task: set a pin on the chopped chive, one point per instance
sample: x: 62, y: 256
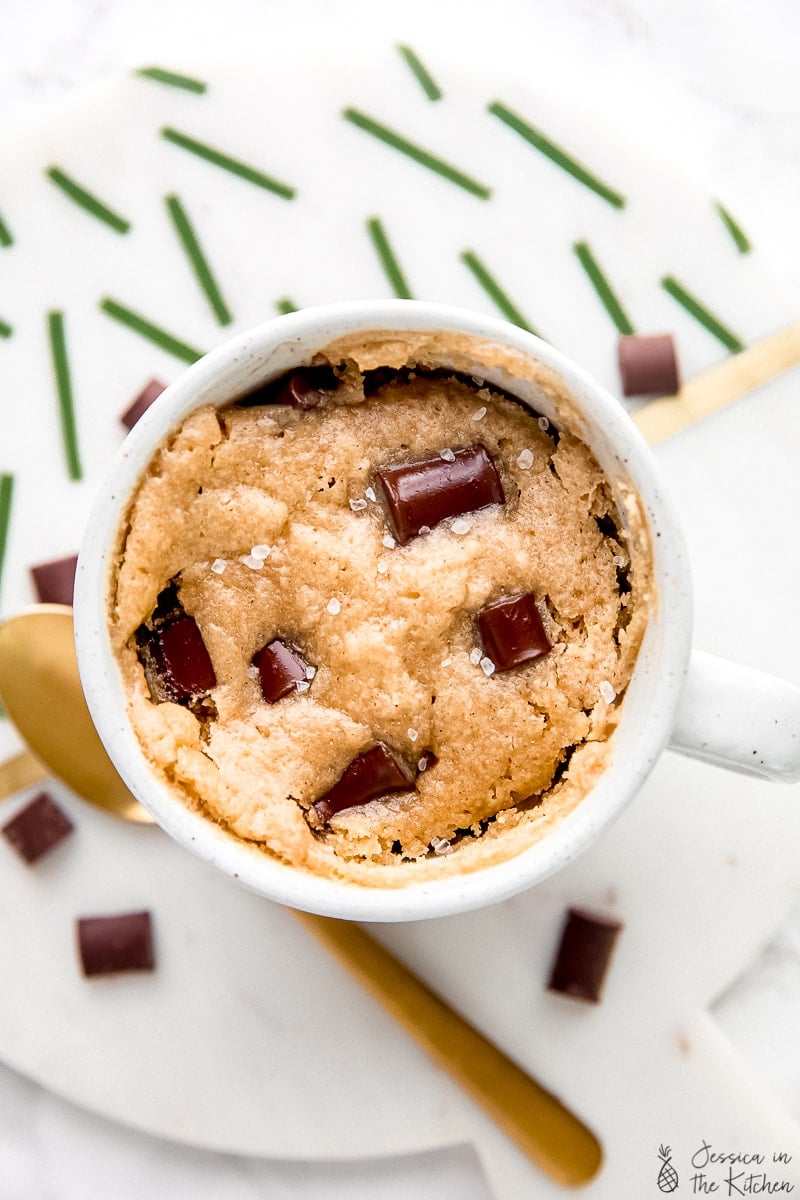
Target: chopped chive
x: 69, y: 433
x: 423, y: 157
x: 701, y: 314
x: 285, y: 306
x: 740, y: 238
x: 390, y: 265
x: 87, y: 201
x: 5, y: 234
x: 198, y: 260
x: 5, y: 330
x: 218, y: 159
x: 494, y: 291
x: 6, y: 497
x: 424, y: 78
x: 560, y: 157
x: 153, y: 333
x: 603, y: 288
x: 172, y: 79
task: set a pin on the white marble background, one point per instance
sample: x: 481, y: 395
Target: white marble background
x: 717, y: 84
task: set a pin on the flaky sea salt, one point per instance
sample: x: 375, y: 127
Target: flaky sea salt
x: 310, y: 672
x: 333, y: 606
x: 479, y: 414
x: 487, y: 666
x: 461, y: 525
x: 263, y: 551
x: 475, y: 656
x: 543, y: 424
x: 382, y: 566
x: 422, y: 765
x: 606, y: 691
x: 370, y: 494
x: 302, y: 685
x: 253, y: 672
x: 447, y: 455
x: 440, y: 846
x: 619, y: 560
x: 255, y: 564
x: 424, y: 528
x: 218, y: 566
x: 388, y: 541
x: 358, y: 505
x: 446, y: 662
x: 413, y: 734
x: 525, y: 460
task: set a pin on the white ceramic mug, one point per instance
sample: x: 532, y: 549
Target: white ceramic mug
x: 701, y: 705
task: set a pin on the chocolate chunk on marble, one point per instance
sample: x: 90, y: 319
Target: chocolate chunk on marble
x: 37, y: 828
x: 420, y: 495
x: 280, y: 670
x: 375, y: 773
x: 648, y: 366
x: 584, y: 953
x: 512, y: 632
x: 150, y: 392
x: 55, y: 581
x: 122, y: 942
x: 172, y: 652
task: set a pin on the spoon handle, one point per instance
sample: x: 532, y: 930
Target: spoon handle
x: 553, y: 1137
x: 20, y: 772
x: 721, y: 385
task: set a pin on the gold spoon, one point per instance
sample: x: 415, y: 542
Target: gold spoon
x: 41, y: 690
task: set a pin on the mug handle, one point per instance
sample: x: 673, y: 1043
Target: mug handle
x: 739, y: 718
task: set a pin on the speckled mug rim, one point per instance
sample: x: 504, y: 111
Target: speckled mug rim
x: 647, y: 714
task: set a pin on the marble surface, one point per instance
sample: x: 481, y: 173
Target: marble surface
x: 722, y: 97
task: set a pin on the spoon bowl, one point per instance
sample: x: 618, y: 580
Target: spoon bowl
x: 41, y: 691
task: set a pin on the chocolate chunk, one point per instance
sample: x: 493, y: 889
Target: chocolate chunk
x: 512, y: 632
x: 420, y: 495
x: 37, y: 828
x: 150, y: 392
x: 583, y: 955
x: 281, y: 669
x: 55, y: 581
x: 376, y: 772
x: 304, y: 389
x: 648, y: 366
x: 123, y: 942
x: 172, y: 652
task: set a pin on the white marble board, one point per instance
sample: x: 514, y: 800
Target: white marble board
x: 247, y: 1038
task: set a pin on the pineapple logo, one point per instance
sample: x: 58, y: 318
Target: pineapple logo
x: 667, y: 1176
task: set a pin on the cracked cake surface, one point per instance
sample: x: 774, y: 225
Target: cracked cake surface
x: 267, y: 524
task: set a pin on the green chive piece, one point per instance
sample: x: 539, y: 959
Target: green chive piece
x: 701, y: 314
x: 58, y: 351
x: 198, y: 260
x: 87, y: 201
x: 153, y: 333
x: 555, y: 153
x: 285, y: 306
x: 740, y: 238
x: 602, y: 287
x: 388, y: 261
x: 494, y: 291
x: 5, y: 330
x: 6, y: 498
x: 172, y: 79
x: 218, y: 159
x: 6, y: 238
x: 423, y: 157
x: 424, y: 78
